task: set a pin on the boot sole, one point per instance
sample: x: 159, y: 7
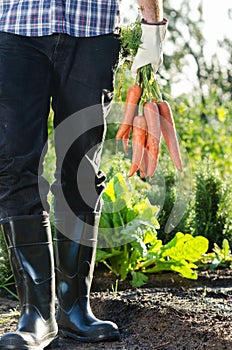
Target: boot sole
x: 53, y: 345
x: 115, y: 336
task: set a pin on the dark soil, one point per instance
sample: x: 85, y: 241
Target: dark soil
x: 169, y: 313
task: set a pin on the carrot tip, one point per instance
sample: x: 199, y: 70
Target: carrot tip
x: 142, y: 175
x: 133, y: 169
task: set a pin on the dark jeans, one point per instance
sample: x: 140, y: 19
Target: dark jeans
x: 77, y: 75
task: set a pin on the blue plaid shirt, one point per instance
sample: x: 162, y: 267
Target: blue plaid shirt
x: 44, y: 17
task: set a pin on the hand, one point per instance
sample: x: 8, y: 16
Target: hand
x: 151, y: 48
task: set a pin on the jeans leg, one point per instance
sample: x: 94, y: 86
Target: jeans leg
x: 79, y: 97
x: 24, y: 108
x: 79, y: 136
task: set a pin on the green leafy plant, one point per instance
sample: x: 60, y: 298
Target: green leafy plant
x: 211, y: 211
x: 179, y: 255
x: 129, y: 243
x: 6, y: 277
x: 7, y: 285
x: 123, y: 214
x: 219, y: 257
x: 169, y: 202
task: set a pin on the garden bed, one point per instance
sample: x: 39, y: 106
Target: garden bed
x: 167, y: 313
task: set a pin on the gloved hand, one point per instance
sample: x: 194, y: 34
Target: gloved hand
x: 151, y: 48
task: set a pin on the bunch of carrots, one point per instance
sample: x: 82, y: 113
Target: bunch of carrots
x: 148, y: 117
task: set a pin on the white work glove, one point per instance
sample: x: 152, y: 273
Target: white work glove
x: 151, y: 47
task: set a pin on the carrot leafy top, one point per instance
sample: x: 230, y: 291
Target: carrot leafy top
x: 130, y: 37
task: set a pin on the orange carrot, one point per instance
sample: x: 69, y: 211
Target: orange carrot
x: 138, y: 142
x: 168, y: 130
x: 151, y: 113
x: 125, y: 140
x: 133, y: 96
x: 143, y: 165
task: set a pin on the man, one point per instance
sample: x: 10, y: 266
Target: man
x: 67, y: 52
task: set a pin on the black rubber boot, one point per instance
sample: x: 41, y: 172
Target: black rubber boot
x: 29, y: 243
x: 75, y: 260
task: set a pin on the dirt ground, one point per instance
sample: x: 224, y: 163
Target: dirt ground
x: 169, y: 313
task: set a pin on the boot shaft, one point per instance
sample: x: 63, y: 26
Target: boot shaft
x: 75, y: 260
x: 30, y: 249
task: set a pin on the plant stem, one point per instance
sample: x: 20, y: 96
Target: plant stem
x: 156, y: 91
x: 149, y: 84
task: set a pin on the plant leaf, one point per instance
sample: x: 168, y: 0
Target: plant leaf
x: 138, y: 279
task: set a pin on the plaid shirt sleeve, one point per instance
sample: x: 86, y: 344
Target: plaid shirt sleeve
x: 81, y: 18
